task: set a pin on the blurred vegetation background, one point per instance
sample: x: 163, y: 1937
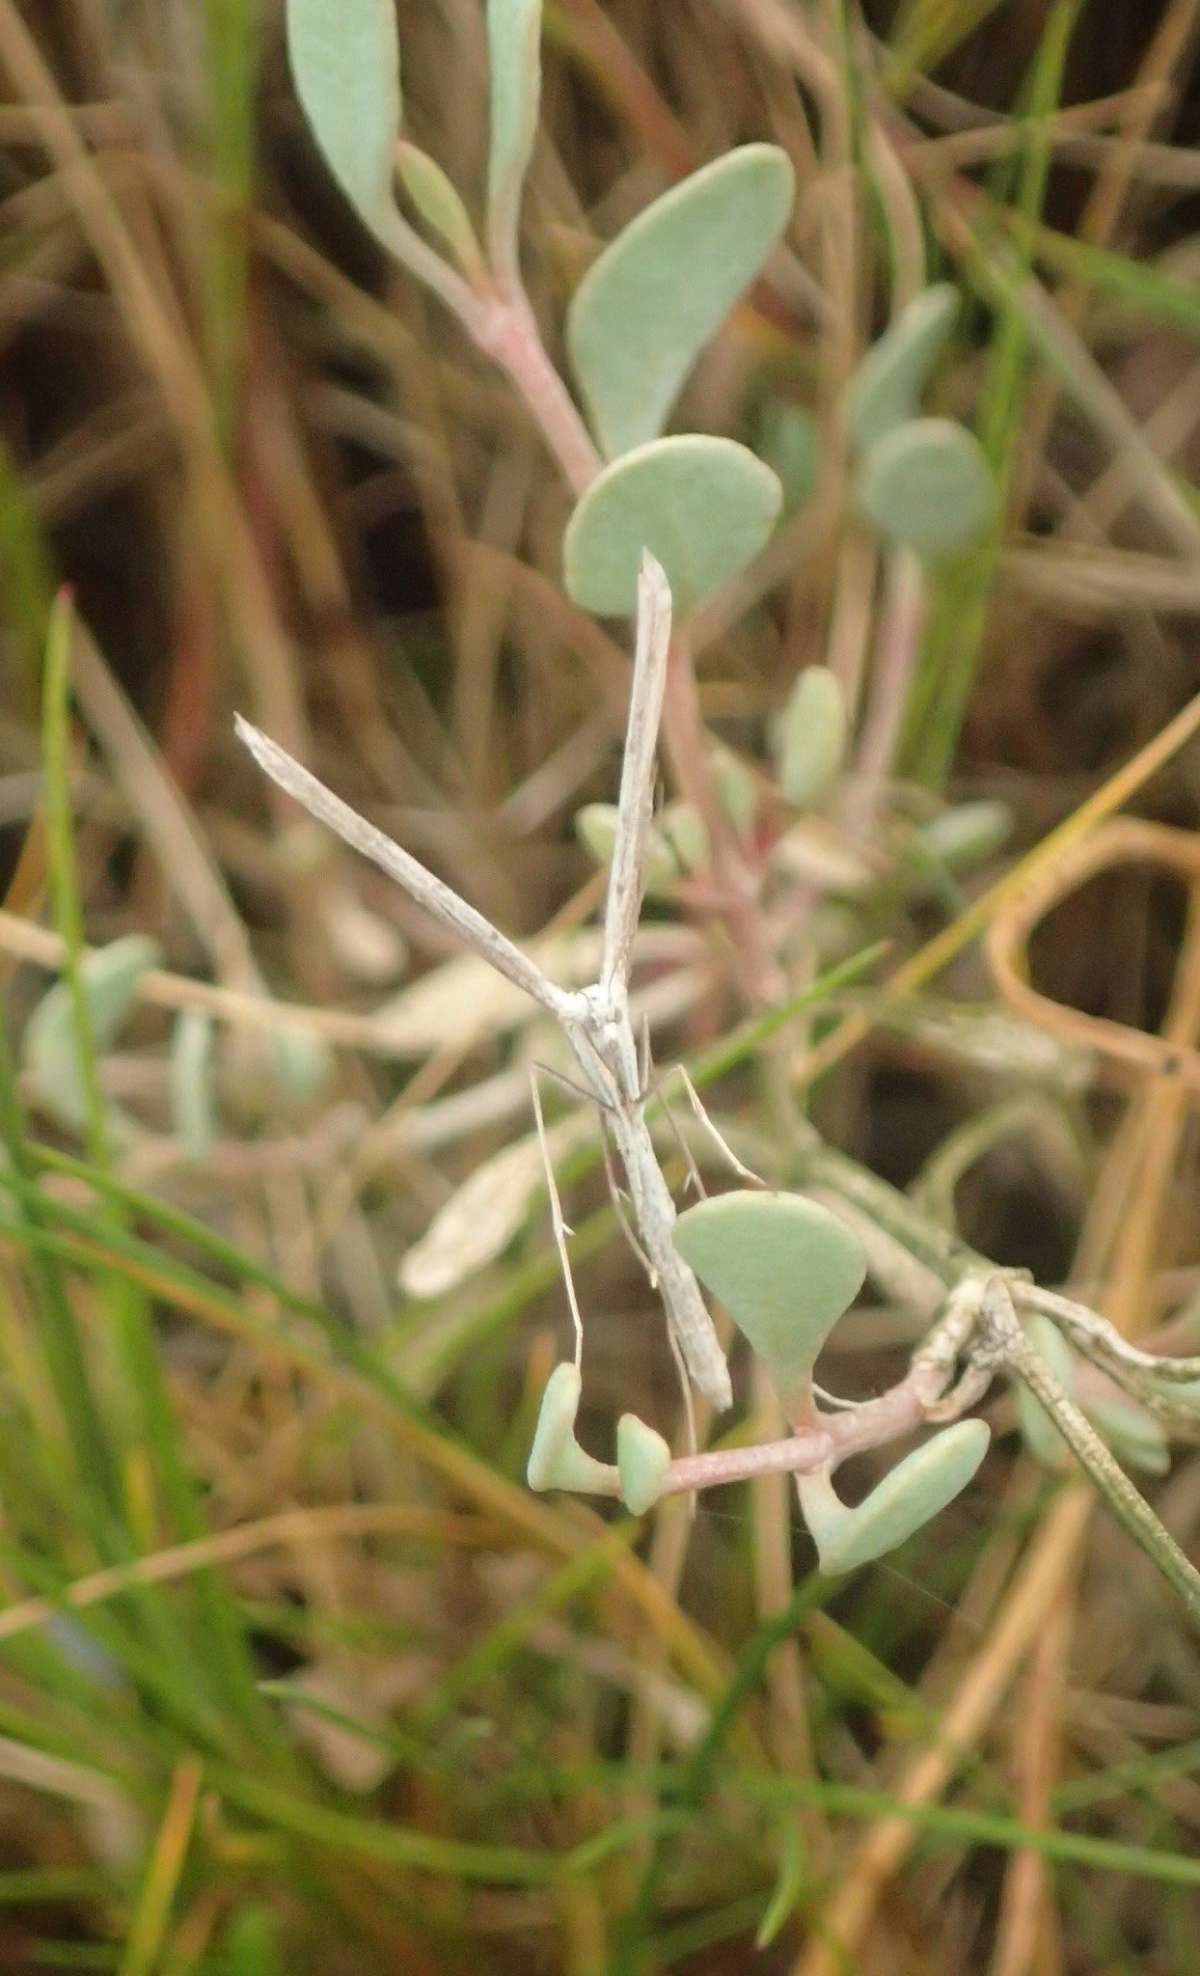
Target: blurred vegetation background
x: 295, y: 1676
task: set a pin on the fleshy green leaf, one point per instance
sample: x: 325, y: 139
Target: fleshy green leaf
x: 556, y: 1460
x: 439, y: 205
x: 966, y: 836
x: 345, y: 61
x: 887, y: 388
x: 787, y: 440
x: 596, y: 828
x: 737, y: 789
x: 1135, y: 1436
x: 784, y: 1268
x: 514, y: 53
x: 909, y: 1496
x: 926, y: 486
x: 810, y: 741
x: 193, y: 1112
x: 643, y: 1459
x: 303, y: 1064
x: 681, y: 828
x: 110, y: 977
x: 647, y: 307
x: 704, y: 507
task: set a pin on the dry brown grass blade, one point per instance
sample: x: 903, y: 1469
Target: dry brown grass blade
x: 927, y: 963
x: 1056, y: 1551
x: 841, y: 1926
x: 1152, y: 1130
x: 1159, y: 81
x: 313, y: 1525
x: 1123, y: 841
x: 557, y: 1531
x: 154, y: 329
x: 1027, y: 1937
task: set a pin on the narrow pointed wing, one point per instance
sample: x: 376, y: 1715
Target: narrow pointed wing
x: 626, y: 878
x: 429, y: 891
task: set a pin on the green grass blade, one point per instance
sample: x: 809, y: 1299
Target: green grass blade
x: 958, y: 618
x: 90, y: 1454
x: 150, y: 1433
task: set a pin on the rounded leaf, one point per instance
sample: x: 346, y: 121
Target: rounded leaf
x: 345, y: 62
x: 192, y: 1079
x: 1135, y: 1435
x: 556, y: 1460
x: 910, y: 1495
x: 643, y: 1459
x: 438, y: 203
x: 514, y: 30
x: 681, y: 829
x: 302, y: 1063
x: 596, y: 829
x: 737, y: 789
x: 926, y: 486
x: 110, y: 977
x: 787, y: 439
x: 703, y: 506
x: 966, y: 836
x: 888, y: 384
x: 810, y: 741
x: 649, y: 304
x: 784, y: 1268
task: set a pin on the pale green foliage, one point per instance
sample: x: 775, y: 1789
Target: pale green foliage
x: 926, y: 486
x: 648, y: 306
x: 514, y: 52
x: 787, y: 441
x: 703, y: 506
x: 643, y: 1459
x: 810, y: 738
x: 345, y: 61
x: 556, y: 1460
x: 681, y: 828
x: 1135, y: 1436
x: 737, y: 789
x: 784, y: 1268
x: 439, y: 205
x: 966, y: 835
x: 677, y: 842
x: 303, y: 1064
x: 596, y: 828
x: 110, y: 978
x: 888, y: 384
x: 908, y: 1497
x: 193, y: 1112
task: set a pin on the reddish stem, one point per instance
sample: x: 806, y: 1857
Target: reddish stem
x: 507, y: 332
x: 900, y: 1411
x: 505, y: 328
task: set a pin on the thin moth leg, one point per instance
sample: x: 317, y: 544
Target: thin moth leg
x: 561, y: 1230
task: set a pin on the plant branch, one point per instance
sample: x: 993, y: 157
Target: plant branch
x: 506, y: 330
x: 1006, y: 1340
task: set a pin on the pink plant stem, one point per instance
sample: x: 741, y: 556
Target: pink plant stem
x: 897, y: 645
x: 505, y: 328
x: 900, y: 1411
x: 507, y: 331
